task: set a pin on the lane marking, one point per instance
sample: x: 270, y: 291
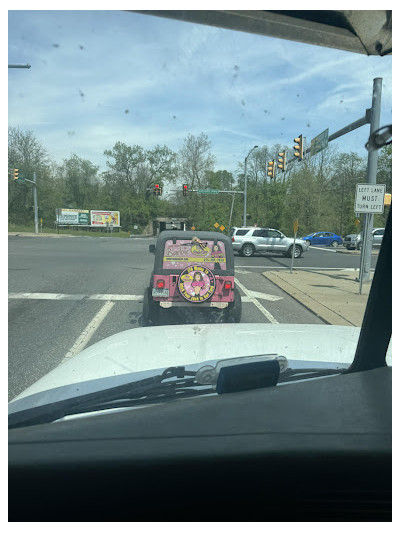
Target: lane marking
x: 248, y: 293
x: 323, y: 249
x: 88, y: 332
x: 264, y: 296
x: 55, y: 296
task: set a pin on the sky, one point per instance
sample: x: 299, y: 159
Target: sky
x: 102, y: 77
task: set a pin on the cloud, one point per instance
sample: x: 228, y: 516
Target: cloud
x: 119, y: 76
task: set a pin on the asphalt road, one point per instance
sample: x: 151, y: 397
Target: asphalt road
x: 68, y: 293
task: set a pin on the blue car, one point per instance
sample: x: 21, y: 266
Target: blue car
x: 323, y: 238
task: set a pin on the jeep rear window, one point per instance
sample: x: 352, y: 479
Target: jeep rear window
x: 242, y: 232
x: 184, y: 253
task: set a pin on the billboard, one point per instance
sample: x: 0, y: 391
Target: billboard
x: 73, y: 217
x: 104, y: 218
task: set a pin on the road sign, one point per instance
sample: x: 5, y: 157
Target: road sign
x: 208, y: 191
x: 369, y: 198
x: 192, y: 228
x: 222, y: 228
x: 216, y: 225
x: 296, y: 225
x: 320, y: 142
x: 357, y: 221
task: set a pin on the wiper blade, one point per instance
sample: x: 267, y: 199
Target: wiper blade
x: 84, y: 403
x: 229, y: 375
x: 297, y: 374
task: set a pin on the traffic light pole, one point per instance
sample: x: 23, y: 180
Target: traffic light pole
x: 35, y: 204
x: 372, y: 165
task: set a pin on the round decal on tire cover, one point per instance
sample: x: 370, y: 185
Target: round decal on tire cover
x: 196, y: 283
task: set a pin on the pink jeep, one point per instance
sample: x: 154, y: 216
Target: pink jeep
x: 193, y: 270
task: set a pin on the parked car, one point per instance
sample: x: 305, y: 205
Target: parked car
x: 194, y: 271
x: 250, y: 240
x: 324, y: 238
x: 353, y: 241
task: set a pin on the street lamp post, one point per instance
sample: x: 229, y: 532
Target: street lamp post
x: 245, y: 184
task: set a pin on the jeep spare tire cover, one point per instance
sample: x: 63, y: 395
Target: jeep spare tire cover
x: 196, y: 283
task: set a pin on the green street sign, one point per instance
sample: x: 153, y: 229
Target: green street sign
x: 320, y: 142
x: 208, y: 191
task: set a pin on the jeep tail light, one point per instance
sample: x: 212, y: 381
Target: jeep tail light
x: 233, y: 239
x: 228, y: 285
x: 160, y: 284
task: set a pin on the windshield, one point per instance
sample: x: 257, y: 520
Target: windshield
x: 124, y: 126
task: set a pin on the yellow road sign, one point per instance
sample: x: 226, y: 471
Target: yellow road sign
x: 192, y: 228
x: 222, y: 228
x: 296, y: 225
x: 357, y: 221
x: 216, y: 225
x: 388, y: 199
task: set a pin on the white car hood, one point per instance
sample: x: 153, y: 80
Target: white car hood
x: 142, y: 352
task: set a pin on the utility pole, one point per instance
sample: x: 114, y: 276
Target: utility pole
x: 35, y: 205
x: 372, y: 165
x: 245, y: 185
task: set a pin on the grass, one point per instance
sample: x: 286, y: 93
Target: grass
x: 65, y: 231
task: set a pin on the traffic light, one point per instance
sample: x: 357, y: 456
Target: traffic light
x: 271, y: 169
x: 15, y: 175
x: 157, y: 190
x: 298, y: 148
x: 282, y: 161
x: 185, y: 189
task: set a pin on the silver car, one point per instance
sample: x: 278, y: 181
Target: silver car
x: 354, y: 240
x: 250, y: 240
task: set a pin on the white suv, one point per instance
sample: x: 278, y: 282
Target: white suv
x: 250, y: 240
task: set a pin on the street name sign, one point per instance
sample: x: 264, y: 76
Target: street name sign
x: 320, y: 142
x: 369, y: 198
x: 208, y: 191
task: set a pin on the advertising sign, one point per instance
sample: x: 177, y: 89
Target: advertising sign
x: 196, y: 283
x: 73, y: 217
x: 105, y: 218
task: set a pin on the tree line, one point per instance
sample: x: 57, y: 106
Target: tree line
x: 318, y: 191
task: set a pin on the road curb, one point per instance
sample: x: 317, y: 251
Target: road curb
x: 22, y: 234
x: 321, y: 311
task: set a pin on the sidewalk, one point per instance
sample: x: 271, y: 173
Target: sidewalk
x: 331, y: 295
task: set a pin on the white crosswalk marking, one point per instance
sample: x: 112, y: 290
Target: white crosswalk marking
x: 55, y: 296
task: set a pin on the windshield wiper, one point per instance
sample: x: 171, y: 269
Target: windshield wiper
x: 298, y: 374
x: 230, y: 375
